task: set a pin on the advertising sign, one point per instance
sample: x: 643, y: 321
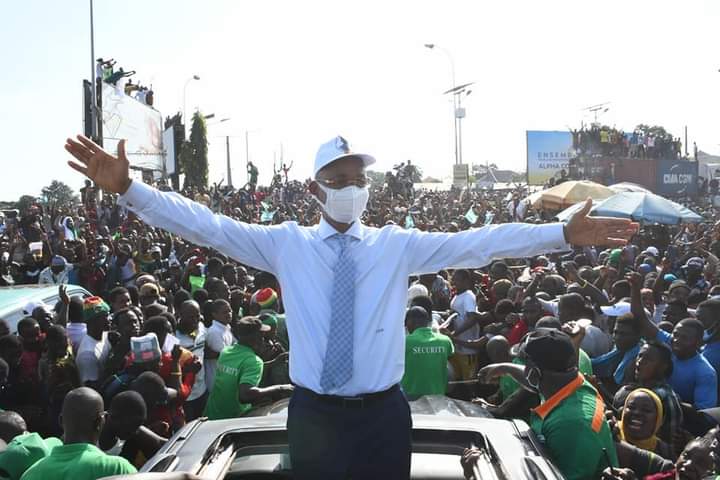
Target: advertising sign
x: 548, y: 152
x: 461, y: 175
x: 123, y: 117
x: 676, y: 178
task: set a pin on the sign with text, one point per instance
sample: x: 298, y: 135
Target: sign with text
x: 677, y: 177
x: 548, y: 152
x: 461, y: 175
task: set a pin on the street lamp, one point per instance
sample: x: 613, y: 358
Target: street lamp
x: 227, y: 146
x: 458, y: 154
x: 194, y: 77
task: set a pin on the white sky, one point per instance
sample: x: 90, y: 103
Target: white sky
x: 298, y: 73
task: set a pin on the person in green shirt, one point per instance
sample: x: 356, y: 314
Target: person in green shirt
x: 23, y: 452
x: 570, y: 419
x: 426, y: 356
x: 511, y: 400
x: 239, y: 371
x: 79, y: 458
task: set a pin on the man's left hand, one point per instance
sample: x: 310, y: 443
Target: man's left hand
x: 583, y: 230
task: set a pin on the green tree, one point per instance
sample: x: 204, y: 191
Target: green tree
x: 58, y: 194
x: 194, y: 154
x: 377, y: 179
x: 24, y: 203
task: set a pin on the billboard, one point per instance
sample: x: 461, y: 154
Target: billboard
x: 123, y: 117
x: 676, y: 177
x: 548, y: 152
x: 168, y: 138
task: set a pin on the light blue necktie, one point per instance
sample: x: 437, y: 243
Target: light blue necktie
x: 338, y: 365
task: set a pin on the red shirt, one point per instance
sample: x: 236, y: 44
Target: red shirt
x: 517, y: 332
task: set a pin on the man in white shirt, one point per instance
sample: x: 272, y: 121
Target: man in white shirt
x: 94, y: 347
x: 219, y: 336
x: 191, y: 334
x: 465, y: 327
x: 57, y: 273
x: 347, y: 416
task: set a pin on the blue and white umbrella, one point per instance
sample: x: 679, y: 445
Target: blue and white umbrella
x: 637, y: 206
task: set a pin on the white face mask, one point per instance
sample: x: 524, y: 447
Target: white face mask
x: 346, y: 204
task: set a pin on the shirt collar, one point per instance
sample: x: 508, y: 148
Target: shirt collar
x: 356, y: 230
x: 549, y: 405
x: 220, y: 325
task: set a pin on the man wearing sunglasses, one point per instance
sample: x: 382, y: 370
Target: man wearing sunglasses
x: 347, y: 415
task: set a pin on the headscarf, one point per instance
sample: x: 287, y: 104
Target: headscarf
x: 70, y: 233
x: 646, y: 443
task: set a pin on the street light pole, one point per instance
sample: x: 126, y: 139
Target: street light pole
x: 227, y: 151
x: 93, y: 102
x: 185, y: 122
x: 456, y: 100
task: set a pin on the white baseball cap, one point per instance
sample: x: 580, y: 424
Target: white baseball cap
x: 336, y: 149
x: 652, y: 251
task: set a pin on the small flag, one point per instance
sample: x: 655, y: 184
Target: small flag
x: 489, y: 216
x: 267, y: 216
x: 471, y: 216
x: 409, y: 222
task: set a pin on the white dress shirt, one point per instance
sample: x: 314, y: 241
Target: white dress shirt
x: 302, y: 259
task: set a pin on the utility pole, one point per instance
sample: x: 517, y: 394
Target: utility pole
x: 247, y: 148
x: 93, y: 103
x: 227, y: 150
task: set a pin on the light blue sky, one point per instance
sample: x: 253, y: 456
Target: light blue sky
x: 298, y: 73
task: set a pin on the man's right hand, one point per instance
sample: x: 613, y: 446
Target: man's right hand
x: 110, y: 172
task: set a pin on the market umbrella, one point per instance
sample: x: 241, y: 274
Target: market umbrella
x: 628, y: 187
x: 640, y: 207
x: 565, y: 215
x: 569, y: 193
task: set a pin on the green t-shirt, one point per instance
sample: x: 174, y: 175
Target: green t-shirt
x: 508, y: 385
x: 426, y: 356
x: 571, y: 424
x: 237, y: 364
x: 282, y: 333
x: 23, y: 452
x: 196, y: 283
x: 78, y: 461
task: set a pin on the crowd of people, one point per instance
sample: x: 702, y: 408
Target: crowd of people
x: 105, y: 72
x: 643, y: 142
x: 611, y: 355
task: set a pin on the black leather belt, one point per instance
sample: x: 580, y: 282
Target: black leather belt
x: 360, y: 401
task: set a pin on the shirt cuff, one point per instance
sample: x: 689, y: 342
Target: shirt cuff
x: 138, y: 196
x: 553, y: 235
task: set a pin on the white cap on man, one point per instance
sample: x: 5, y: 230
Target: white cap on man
x: 336, y: 149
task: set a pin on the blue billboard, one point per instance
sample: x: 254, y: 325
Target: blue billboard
x: 676, y: 178
x: 548, y: 152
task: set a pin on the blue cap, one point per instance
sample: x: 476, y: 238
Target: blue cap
x: 645, y: 268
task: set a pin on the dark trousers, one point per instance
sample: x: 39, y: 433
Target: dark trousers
x: 194, y: 408
x: 336, y: 442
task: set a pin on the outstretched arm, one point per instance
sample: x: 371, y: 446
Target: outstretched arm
x: 250, y: 244
x: 431, y: 252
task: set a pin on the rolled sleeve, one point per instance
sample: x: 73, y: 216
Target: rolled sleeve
x: 253, y: 245
x: 474, y: 248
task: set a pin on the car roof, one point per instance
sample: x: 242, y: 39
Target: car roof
x: 13, y: 299
x: 512, y: 441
